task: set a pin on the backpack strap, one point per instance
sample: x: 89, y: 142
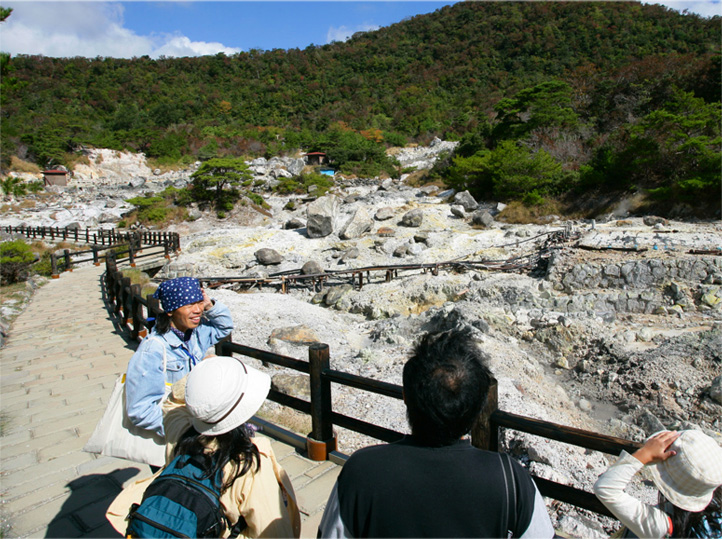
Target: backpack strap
x: 238, y: 527
x: 509, y: 514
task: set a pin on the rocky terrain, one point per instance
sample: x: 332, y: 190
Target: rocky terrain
x: 613, y: 325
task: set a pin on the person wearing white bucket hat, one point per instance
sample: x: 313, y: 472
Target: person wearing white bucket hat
x: 686, y: 468
x: 206, y: 416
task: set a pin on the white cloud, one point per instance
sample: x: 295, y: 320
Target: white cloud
x: 90, y: 29
x: 705, y: 8
x: 178, y: 45
x: 342, y: 33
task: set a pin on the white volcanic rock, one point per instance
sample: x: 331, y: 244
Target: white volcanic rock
x: 111, y: 166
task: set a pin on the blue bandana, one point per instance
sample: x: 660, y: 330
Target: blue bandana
x: 178, y: 292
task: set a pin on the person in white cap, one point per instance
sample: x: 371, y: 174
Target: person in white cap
x: 206, y: 416
x: 686, y: 468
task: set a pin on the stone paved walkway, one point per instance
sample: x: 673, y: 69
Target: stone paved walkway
x: 57, y: 370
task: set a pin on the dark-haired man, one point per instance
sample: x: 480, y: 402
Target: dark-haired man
x: 434, y: 483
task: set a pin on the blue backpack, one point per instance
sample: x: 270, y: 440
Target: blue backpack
x: 179, y: 503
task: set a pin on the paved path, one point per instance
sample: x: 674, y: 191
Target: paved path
x: 57, y: 370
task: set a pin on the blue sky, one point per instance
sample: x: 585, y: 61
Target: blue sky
x: 193, y: 28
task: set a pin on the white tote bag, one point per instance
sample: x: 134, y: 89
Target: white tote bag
x: 116, y: 436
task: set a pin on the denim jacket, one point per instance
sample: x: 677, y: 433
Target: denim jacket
x: 145, y: 384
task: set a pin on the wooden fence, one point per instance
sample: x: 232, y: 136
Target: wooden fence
x: 359, y: 276
x: 102, y: 242
x: 126, y: 302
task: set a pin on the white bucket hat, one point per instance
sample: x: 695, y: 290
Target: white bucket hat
x: 222, y: 393
x: 689, y: 478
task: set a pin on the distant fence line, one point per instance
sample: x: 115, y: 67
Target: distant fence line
x: 360, y: 276
x: 133, y: 310
x: 123, y: 244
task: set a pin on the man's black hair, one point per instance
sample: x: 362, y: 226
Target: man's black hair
x: 446, y: 382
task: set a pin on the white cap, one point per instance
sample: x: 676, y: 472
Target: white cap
x: 222, y: 393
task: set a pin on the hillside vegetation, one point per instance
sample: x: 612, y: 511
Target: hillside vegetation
x: 549, y: 100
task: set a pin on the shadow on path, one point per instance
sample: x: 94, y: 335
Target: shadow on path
x: 83, y: 513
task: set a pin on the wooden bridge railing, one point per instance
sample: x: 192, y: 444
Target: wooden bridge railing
x: 122, y: 244
x: 133, y: 310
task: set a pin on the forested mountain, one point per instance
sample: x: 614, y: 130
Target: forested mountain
x: 576, y: 88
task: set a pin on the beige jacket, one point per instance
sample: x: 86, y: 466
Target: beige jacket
x: 264, y: 497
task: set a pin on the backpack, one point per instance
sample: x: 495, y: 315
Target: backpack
x: 178, y: 503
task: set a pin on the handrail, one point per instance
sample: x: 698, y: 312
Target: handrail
x: 101, y: 240
x: 126, y: 301
x: 285, y: 278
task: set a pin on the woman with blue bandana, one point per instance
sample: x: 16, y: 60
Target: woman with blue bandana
x: 180, y: 338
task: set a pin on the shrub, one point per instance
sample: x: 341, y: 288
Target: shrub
x: 256, y: 198
x: 15, y: 259
x: 44, y: 266
x: 158, y: 209
x: 36, y: 186
x: 300, y: 184
x: 533, y: 198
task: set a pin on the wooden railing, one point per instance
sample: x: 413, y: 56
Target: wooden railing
x: 283, y: 280
x: 126, y: 302
x: 122, y: 244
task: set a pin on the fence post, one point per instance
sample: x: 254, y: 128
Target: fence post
x: 136, y: 311
x: 118, y: 291
x: 219, y: 345
x: 96, y: 260
x: 110, y: 269
x: 321, y: 440
x: 68, y: 265
x: 127, y: 301
x: 483, y: 435
x: 54, y: 266
x: 131, y: 258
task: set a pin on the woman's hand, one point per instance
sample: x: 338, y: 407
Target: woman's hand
x: 207, y: 302
x: 656, y: 449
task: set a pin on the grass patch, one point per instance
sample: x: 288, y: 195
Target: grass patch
x: 73, y: 159
x: 420, y: 178
x: 516, y: 212
x: 19, y: 165
x: 139, y: 277
x: 169, y: 165
x: 13, y: 292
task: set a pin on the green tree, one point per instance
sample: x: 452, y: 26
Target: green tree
x: 15, y: 259
x: 675, y: 150
x: 683, y: 141
x: 216, y: 180
x: 517, y: 171
x: 546, y: 105
x: 508, y: 172
x: 13, y: 187
x: 5, y: 13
